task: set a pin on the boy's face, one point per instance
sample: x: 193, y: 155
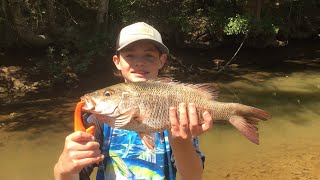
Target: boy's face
x: 139, y: 61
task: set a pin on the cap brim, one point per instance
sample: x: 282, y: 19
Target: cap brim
x: 160, y: 46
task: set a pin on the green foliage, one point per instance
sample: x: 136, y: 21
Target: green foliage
x: 76, y: 39
x: 120, y: 11
x: 192, y: 25
x: 220, y: 13
x: 242, y: 24
x: 59, y: 65
x: 265, y: 26
x: 237, y: 25
x: 68, y: 60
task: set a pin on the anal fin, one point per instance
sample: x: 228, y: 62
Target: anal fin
x: 149, y: 140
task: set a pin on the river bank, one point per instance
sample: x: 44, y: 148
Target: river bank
x: 19, y: 83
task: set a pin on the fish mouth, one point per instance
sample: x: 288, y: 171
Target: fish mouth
x: 90, y: 104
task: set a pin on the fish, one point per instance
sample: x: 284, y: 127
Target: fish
x: 144, y: 107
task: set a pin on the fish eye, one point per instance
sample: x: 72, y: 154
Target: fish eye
x: 107, y: 93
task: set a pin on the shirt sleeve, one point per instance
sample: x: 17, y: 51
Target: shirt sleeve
x: 196, y: 146
x: 89, y: 120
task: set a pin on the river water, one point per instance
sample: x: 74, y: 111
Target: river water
x: 32, y: 134
x: 289, y: 142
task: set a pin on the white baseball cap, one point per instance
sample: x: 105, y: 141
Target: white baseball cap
x: 140, y: 31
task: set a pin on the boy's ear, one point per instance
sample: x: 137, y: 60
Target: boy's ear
x: 116, y: 61
x: 163, y: 59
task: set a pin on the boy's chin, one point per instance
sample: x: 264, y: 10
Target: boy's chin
x: 138, y: 78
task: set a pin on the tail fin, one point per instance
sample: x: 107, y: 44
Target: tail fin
x: 246, y: 118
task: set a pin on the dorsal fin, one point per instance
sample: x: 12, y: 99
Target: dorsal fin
x: 210, y: 89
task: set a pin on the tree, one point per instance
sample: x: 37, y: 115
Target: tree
x: 103, y: 16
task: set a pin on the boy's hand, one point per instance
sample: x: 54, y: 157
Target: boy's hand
x: 80, y: 150
x: 187, y: 126
x: 183, y: 129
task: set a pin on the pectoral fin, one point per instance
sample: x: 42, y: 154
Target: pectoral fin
x: 116, y: 121
x: 124, y: 119
x: 149, y: 140
x: 125, y: 114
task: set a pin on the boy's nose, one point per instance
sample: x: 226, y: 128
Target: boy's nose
x: 139, y: 62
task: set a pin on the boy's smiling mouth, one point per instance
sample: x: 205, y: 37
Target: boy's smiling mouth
x: 140, y: 72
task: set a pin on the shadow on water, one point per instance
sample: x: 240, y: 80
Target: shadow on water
x: 38, y: 116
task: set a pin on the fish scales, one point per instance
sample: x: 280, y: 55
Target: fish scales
x: 157, y: 98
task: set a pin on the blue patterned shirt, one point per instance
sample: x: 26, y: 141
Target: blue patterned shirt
x: 127, y: 158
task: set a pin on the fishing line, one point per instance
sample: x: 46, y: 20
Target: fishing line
x: 232, y: 58
x: 235, y: 54
x: 234, y: 94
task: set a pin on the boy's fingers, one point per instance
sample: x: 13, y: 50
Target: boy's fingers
x: 193, y: 119
x: 87, y: 161
x: 184, y: 121
x: 82, y: 146
x: 208, y: 122
x: 173, y: 120
x: 80, y: 136
x: 85, y: 154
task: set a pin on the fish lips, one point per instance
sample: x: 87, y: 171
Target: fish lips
x: 90, y: 103
x: 103, y: 107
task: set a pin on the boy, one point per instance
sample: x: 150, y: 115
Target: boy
x: 120, y: 153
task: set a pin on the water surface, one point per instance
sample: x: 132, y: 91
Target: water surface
x: 289, y: 146
x: 32, y: 134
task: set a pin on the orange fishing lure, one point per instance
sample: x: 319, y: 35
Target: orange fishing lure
x: 78, y: 125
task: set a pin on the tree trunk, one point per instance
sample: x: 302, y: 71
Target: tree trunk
x: 5, y: 40
x: 4, y: 8
x: 23, y: 31
x: 258, y: 10
x: 50, y: 13
x: 106, y: 19
x: 103, y: 16
x: 52, y: 28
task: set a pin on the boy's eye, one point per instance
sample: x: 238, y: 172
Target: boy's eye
x: 149, y: 57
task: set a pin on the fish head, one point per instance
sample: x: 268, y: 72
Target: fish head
x: 112, y: 101
x: 103, y: 101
